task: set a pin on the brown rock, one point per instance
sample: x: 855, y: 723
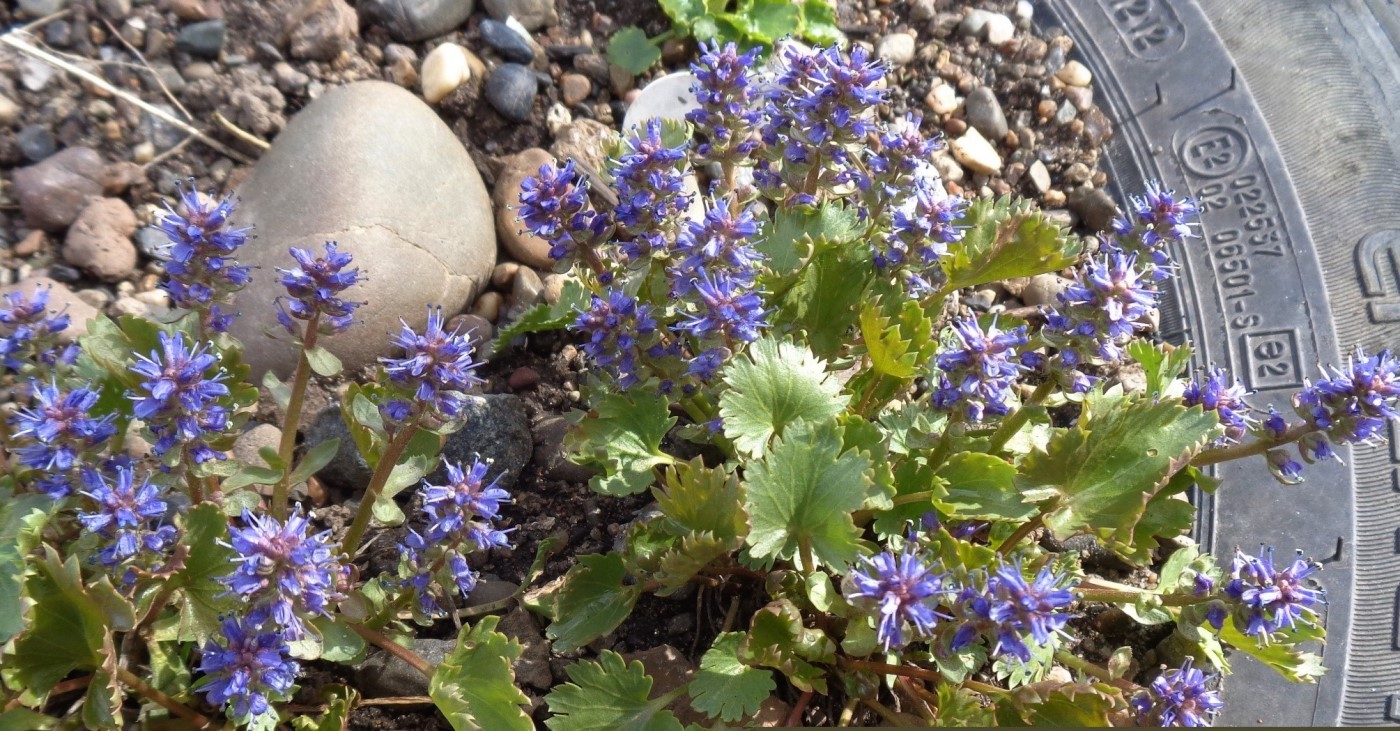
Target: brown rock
x: 61, y: 299
x: 524, y: 246
x: 119, y: 176
x: 504, y: 274
x: 523, y: 378
x: 327, y: 32
x: 245, y: 448
x: 574, y: 88
x: 1044, y: 289
x: 669, y: 669
x: 100, y: 240
x: 53, y: 192
x: 188, y: 10
x: 488, y: 306
x: 584, y: 140
x: 30, y: 244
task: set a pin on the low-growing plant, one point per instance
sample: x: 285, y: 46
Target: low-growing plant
x: 880, y: 483
x: 746, y: 23
x: 881, y: 480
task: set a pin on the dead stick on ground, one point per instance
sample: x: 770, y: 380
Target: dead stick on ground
x: 14, y: 41
x: 241, y: 133
x: 147, y: 64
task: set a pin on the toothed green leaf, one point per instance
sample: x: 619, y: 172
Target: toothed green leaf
x: 772, y: 386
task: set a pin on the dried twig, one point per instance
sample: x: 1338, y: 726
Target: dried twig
x: 241, y: 133
x: 147, y: 64
x: 16, y: 42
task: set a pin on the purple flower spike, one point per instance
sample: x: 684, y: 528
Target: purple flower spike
x: 29, y: 332
x: 980, y: 376
x: 203, y: 272
x: 178, y: 400
x: 728, y: 310
x: 461, y: 517
x: 649, y: 177
x: 725, y: 94
x: 246, y: 669
x: 437, y: 366
x: 1100, y: 311
x: 1225, y: 397
x: 615, y: 328
x: 720, y: 242
x: 1007, y: 610
x: 1182, y: 697
x: 817, y: 108
x: 127, y: 515
x: 554, y: 206
x: 1271, y: 599
x: 283, y: 571
x: 1156, y: 219
x: 1353, y: 405
x: 314, y: 286
x: 905, y: 588
x: 57, y: 435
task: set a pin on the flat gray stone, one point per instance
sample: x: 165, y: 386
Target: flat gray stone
x: 372, y: 167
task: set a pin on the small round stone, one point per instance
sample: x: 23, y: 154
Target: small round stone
x: 511, y: 90
x: 35, y: 142
x: 896, y: 48
x: 444, y: 70
x: 504, y: 40
x: 1074, y: 73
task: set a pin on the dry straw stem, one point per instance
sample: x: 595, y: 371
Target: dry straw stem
x: 15, y: 40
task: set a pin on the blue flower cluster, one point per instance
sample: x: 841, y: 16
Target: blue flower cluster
x: 725, y: 93
x: 1006, y: 609
x: 180, y: 402
x: 29, y: 332
x: 57, y: 435
x: 1156, y: 219
x: 819, y: 107
x: 1353, y: 405
x: 1179, y: 697
x: 129, y: 514
x: 981, y: 375
x: 614, y: 328
x: 554, y: 206
x: 437, y: 368
x: 246, y: 668
x: 460, y: 520
x: 1001, y: 605
x: 906, y: 590
x: 650, y: 181
x: 1102, y: 310
x: 1270, y: 599
x: 203, y: 271
x: 1225, y: 397
x: 283, y: 572
x: 314, y: 287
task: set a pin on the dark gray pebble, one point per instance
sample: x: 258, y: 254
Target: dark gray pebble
x: 35, y: 142
x: 506, y: 42
x: 205, y: 38
x: 511, y: 90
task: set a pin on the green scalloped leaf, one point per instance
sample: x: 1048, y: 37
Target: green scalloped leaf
x: 1100, y: 475
x: 631, y: 50
x: 778, y: 639
x: 608, y: 694
x: 474, y: 687
x: 1163, y: 363
x: 592, y: 601
x: 725, y: 687
x: 22, y: 520
x: 1007, y: 238
x: 71, y: 627
x: 700, y: 499
x: 623, y: 436
x: 803, y: 491
x: 982, y: 486
x: 771, y: 387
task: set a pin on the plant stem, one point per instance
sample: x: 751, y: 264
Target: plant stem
x: 393, y: 648
x: 300, y: 377
x: 1126, y: 596
x: 1013, y: 423
x: 1070, y: 660
x: 984, y: 688
x: 351, y: 543
x: 1024, y: 530
x: 798, y: 708
x: 1236, y: 451
x: 170, y: 704
x: 809, y: 564
x: 888, y: 669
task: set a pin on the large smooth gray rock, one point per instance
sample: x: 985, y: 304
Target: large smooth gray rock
x: 370, y: 166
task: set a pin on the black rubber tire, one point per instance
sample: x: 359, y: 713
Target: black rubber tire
x: 1283, y: 116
